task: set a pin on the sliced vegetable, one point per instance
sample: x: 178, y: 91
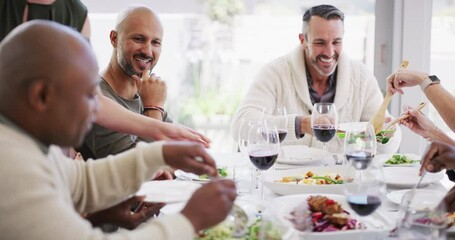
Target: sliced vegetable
x: 328, y: 179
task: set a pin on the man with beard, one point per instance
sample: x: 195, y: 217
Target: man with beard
x: 316, y: 71
x: 136, y: 40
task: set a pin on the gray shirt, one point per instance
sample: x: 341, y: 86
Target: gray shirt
x: 100, y: 141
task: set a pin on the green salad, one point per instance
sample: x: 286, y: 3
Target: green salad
x: 381, y: 137
x: 224, y: 231
x: 400, y: 159
x: 221, y: 171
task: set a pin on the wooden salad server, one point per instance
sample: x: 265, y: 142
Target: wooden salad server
x: 378, y: 118
x: 404, y: 116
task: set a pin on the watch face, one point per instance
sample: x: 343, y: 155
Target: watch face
x: 434, y: 79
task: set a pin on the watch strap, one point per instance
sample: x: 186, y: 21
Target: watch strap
x: 429, y: 80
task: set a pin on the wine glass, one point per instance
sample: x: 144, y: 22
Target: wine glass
x: 324, y: 121
x: 360, y: 146
x: 263, y: 148
x: 422, y: 215
x: 365, y: 196
x: 277, y: 117
x: 243, y: 173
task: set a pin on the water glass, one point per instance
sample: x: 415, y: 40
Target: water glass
x: 422, y: 216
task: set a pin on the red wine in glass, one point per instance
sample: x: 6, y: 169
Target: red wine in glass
x: 263, y: 159
x: 282, y: 135
x: 324, y: 132
x: 360, y: 159
x: 364, y: 205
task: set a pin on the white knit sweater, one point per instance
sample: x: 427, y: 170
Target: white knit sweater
x: 283, y: 82
x: 42, y: 196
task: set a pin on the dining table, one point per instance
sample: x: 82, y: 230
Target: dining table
x: 237, y: 162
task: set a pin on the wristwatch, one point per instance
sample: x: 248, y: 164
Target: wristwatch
x: 430, y: 80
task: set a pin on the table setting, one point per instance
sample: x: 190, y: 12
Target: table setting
x: 276, y: 185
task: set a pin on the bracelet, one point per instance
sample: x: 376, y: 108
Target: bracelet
x: 155, y: 108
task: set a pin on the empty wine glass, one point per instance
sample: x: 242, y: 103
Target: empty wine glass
x: 422, y: 215
x: 324, y: 121
x: 360, y: 146
x: 263, y: 147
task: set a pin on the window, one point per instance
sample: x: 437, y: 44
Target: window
x: 213, y: 49
x: 442, y: 55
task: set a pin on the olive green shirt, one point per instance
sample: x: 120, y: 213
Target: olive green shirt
x: 71, y: 13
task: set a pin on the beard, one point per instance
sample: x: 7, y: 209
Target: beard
x: 128, y: 67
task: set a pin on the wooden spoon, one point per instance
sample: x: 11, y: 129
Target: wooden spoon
x: 378, y: 118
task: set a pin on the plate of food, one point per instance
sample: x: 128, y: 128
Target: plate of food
x: 399, y: 160
x: 254, y: 229
x: 329, y: 216
x: 400, y: 177
x: 299, y: 155
x: 176, y: 191
x: 317, y: 179
x: 187, y: 176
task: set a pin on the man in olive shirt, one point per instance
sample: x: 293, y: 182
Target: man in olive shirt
x: 128, y: 80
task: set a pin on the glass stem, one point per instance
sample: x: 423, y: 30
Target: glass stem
x: 324, y: 149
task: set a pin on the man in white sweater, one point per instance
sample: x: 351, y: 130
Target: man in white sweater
x: 316, y: 71
x: 48, y: 97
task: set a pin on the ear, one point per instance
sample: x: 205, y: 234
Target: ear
x: 302, y: 39
x: 38, y: 95
x: 114, y: 38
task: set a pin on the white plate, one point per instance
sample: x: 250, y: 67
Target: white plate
x: 396, y: 196
x: 167, y: 191
x: 401, y: 177
x: 270, y: 177
x: 182, y: 175
x: 384, y: 157
x: 378, y: 223
x: 300, y: 155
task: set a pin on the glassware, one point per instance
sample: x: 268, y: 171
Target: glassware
x: 422, y: 215
x: 263, y: 147
x: 244, y: 174
x: 324, y: 122
x: 360, y: 146
x: 277, y: 117
x: 366, y: 194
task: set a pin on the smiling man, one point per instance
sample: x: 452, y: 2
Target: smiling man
x: 128, y: 80
x: 317, y: 71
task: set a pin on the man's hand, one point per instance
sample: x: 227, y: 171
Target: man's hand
x: 437, y: 157
x: 151, y: 89
x: 162, y: 174
x: 404, y: 78
x: 210, y: 204
x: 449, y: 200
x: 173, y: 131
x: 190, y: 157
x: 122, y: 216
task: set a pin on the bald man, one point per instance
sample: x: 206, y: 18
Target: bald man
x: 128, y: 80
x: 48, y: 98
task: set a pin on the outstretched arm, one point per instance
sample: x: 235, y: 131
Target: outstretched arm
x: 441, y: 99
x: 113, y: 116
